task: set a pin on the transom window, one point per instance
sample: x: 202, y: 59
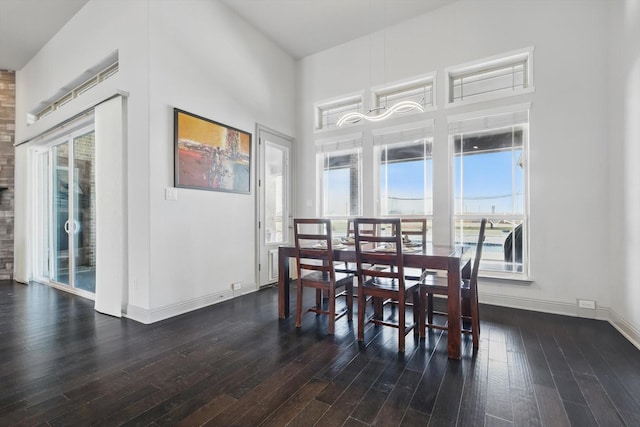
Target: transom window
x: 489, y: 79
x: 327, y: 115
x: 420, y: 92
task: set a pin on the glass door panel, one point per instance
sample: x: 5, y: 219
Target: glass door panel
x: 60, y: 215
x: 84, y: 213
x: 274, y: 192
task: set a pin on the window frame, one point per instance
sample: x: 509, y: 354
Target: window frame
x: 341, y: 105
x: 494, y: 62
x: 524, y: 217
x: 443, y: 186
x: 407, y: 86
x: 338, y: 146
x: 413, y: 127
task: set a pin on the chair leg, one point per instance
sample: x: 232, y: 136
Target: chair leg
x: 416, y: 311
x: 430, y: 309
x: 423, y: 313
x: 361, y: 308
x: 401, y: 323
x: 475, y: 323
x: 332, y: 310
x: 349, y: 301
x: 319, y: 298
x: 477, y: 313
x: 299, y: 305
x: 378, y: 307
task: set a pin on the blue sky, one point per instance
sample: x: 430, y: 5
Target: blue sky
x: 488, y: 177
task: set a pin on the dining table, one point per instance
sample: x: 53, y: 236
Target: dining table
x: 454, y: 260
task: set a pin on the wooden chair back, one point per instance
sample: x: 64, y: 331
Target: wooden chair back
x: 368, y: 229
x: 473, y: 282
x: 379, y: 255
x: 415, y: 227
x: 313, y: 247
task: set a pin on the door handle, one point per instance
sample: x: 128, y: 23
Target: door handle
x: 66, y: 226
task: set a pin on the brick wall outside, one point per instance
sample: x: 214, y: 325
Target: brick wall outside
x: 7, y: 138
x: 84, y: 150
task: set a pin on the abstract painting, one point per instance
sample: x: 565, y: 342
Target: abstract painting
x: 210, y: 155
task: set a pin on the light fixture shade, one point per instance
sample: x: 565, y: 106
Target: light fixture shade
x: 400, y: 107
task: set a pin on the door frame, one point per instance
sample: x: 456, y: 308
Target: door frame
x: 261, y: 130
x: 46, y: 149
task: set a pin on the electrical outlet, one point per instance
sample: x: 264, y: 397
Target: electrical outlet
x: 236, y: 286
x: 586, y: 303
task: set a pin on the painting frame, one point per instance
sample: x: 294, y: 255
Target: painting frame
x: 210, y: 155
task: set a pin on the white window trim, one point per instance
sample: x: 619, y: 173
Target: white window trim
x: 525, y: 275
x: 511, y: 108
x: 505, y: 58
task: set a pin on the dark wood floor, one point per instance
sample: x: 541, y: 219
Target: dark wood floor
x: 235, y: 363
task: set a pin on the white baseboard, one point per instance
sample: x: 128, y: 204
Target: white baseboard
x: 545, y: 306
x: 147, y: 316
x: 628, y: 330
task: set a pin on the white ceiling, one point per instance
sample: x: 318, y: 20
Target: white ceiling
x: 27, y: 25
x: 300, y: 27
x: 304, y: 27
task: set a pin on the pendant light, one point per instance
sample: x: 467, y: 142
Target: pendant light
x: 380, y: 113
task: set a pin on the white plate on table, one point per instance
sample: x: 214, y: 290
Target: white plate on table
x: 334, y: 246
x: 385, y: 249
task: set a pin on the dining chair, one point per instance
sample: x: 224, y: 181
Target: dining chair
x: 434, y: 285
x: 314, y: 256
x: 412, y: 227
x: 387, y: 283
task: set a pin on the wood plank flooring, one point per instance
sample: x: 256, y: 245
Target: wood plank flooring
x: 236, y: 364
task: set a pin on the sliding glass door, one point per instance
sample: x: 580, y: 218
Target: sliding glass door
x: 65, y: 212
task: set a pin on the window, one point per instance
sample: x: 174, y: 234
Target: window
x: 489, y: 163
x: 341, y: 165
x: 420, y: 91
x: 64, y: 95
x: 453, y: 164
x: 490, y: 78
x: 327, y: 115
x: 405, y: 172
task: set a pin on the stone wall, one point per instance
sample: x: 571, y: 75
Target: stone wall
x: 7, y: 138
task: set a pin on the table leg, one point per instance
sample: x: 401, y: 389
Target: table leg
x: 283, y: 284
x: 455, y: 328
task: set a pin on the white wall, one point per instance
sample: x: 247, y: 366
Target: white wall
x: 568, y: 124
x: 624, y: 143
x: 198, y: 56
x: 207, y: 61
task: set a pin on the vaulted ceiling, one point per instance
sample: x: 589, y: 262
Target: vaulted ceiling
x: 300, y: 27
